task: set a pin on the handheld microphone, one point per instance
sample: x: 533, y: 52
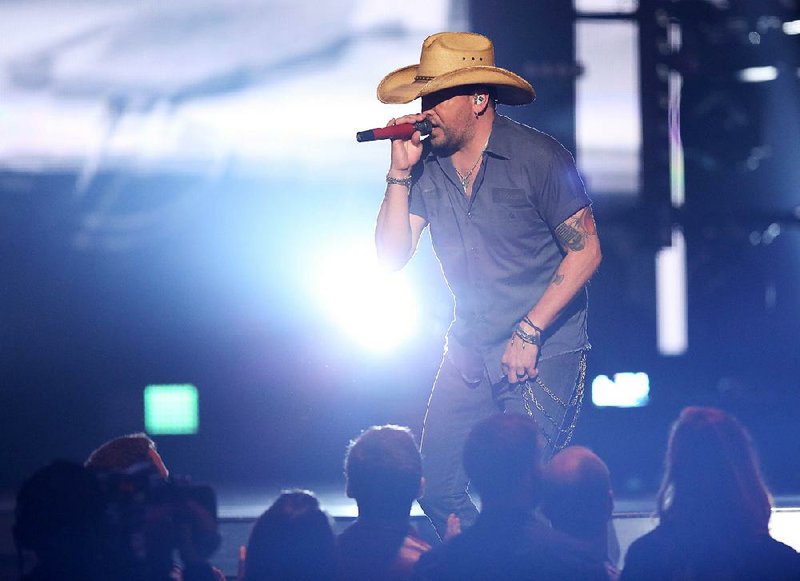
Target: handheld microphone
x: 402, y: 131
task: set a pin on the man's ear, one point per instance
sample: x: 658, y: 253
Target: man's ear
x: 479, y: 103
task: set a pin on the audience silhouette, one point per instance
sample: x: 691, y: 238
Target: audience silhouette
x: 120, y: 517
x: 154, y: 516
x: 714, y: 509
x: 578, y: 500
x: 384, y: 475
x: 291, y: 541
x: 502, y: 457
x: 60, y: 517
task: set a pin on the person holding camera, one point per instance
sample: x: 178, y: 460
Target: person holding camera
x: 154, y: 516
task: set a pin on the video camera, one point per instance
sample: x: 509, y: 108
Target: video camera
x: 151, y: 517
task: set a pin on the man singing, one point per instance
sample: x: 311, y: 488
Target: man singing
x: 512, y: 227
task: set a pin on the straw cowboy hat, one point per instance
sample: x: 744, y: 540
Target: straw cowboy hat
x: 454, y: 59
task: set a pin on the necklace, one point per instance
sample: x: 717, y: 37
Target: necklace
x: 464, y: 179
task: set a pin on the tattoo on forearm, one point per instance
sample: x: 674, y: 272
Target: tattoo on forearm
x: 558, y: 278
x: 572, y: 232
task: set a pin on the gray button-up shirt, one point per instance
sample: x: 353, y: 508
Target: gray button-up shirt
x: 497, y: 249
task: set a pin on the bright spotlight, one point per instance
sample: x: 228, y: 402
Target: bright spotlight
x: 375, y: 307
x: 626, y: 390
x: 758, y: 74
x: 792, y: 27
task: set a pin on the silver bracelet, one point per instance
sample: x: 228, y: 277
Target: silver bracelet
x: 529, y: 338
x: 400, y: 182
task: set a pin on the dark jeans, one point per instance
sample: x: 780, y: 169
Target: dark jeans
x: 554, y: 400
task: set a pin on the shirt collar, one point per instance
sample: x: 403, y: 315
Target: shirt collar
x: 499, y: 144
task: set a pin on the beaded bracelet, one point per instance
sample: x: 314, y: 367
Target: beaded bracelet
x: 400, y: 182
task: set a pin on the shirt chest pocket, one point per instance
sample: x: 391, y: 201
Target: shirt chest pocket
x: 513, y: 226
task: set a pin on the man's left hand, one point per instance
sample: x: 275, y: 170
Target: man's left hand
x: 519, y: 360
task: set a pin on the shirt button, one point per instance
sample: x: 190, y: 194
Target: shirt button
x: 469, y: 215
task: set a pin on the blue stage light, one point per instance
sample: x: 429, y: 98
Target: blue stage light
x: 626, y: 390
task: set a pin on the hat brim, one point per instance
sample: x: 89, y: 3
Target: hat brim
x: 400, y: 86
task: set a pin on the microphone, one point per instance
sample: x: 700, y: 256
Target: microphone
x: 402, y: 131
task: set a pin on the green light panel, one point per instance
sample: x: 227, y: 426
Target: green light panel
x: 171, y: 409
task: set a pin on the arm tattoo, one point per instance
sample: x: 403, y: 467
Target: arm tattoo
x: 558, y: 278
x: 572, y: 232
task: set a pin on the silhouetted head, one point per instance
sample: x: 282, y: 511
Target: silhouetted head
x: 712, y: 479
x: 384, y: 470
x: 125, y: 452
x: 60, y: 516
x: 291, y: 540
x: 502, y: 457
x: 576, y: 493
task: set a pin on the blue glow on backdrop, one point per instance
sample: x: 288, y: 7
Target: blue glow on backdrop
x: 186, y: 85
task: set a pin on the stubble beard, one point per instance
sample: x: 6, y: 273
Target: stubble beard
x: 443, y: 147
x: 448, y: 143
